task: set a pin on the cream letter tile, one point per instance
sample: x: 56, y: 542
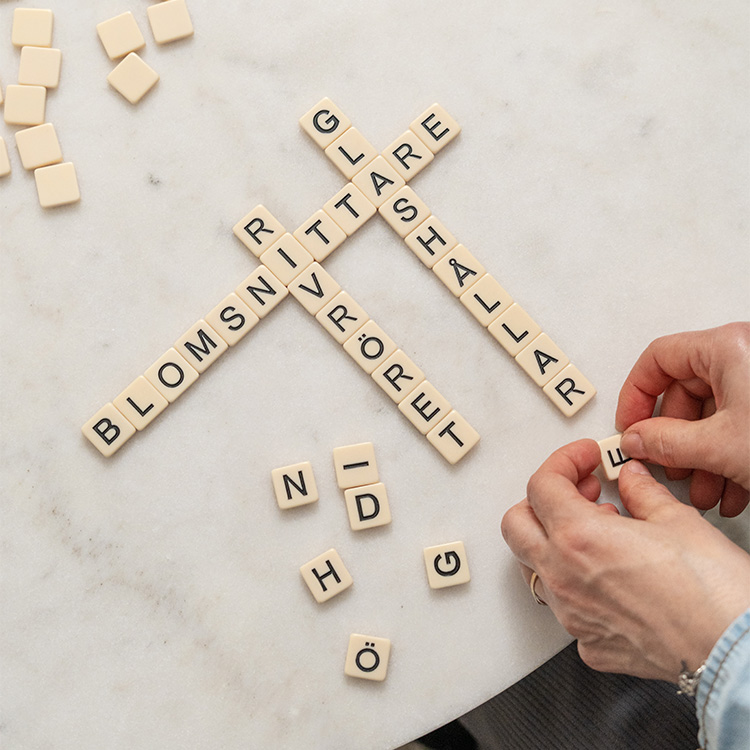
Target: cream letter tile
x: 355, y: 465
x: 446, y: 565
x: 367, y: 657
x: 140, y: 403
x: 232, y: 319
x: 569, y: 390
x: 326, y: 576
x: 108, y: 430
x: 324, y: 123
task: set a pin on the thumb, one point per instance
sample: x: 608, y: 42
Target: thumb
x: 640, y: 493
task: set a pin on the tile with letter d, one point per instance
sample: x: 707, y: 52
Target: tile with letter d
x: 324, y: 123
x: 446, y: 565
x: 613, y: 459
x: 140, y: 403
x: 542, y: 359
x: 424, y: 407
x: 367, y: 506
x: 367, y: 657
x: 370, y: 346
x: 453, y: 437
x: 108, y: 430
x: 294, y: 485
x: 314, y: 288
x: 404, y: 211
x: 171, y: 375
x: 232, y: 319
x: 486, y: 300
x: 351, y: 152
x: 430, y: 241
x: 569, y: 390
x: 258, y: 230
x: 408, y: 155
x: 342, y: 317
x: 349, y: 208
x: 355, y: 465
x: 201, y: 345
x: 398, y: 376
x: 261, y: 291
x: 326, y: 576
x: 514, y: 329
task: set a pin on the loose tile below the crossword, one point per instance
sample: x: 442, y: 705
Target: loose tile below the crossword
x: 355, y: 465
x: 57, y: 185
x: 446, y: 565
x: 120, y: 35
x: 38, y: 146
x: 453, y: 436
x: 108, y: 430
x: 613, y: 459
x: 133, y: 78
x: 569, y: 390
x: 367, y: 657
x: 24, y: 105
x: 294, y: 485
x: 324, y: 123
x: 32, y: 26
x: 140, y: 403
x: 170, y: 21
x: 326, y: 576
x: 4, y: 160
x: 367, y: 506
x: 40, y: 66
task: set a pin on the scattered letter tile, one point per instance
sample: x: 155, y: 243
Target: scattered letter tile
x: 120, y: 35
x: 326, y: 576
x: 367, y: 506
x: 355, y: 465
x: 32, y: 26
x: 408, y: 155
x: 367, y: 657
x: 38, y: 146
x: 40, y: 66
x: 459, y: 270
x: 378, y: 181
x: 446, y: 565
x: 57, y: 185
x: 24, y: 105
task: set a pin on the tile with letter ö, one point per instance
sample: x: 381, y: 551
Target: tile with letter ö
x: 404, y: 211
x: 140, y: 403
x: 569, y: 390
x: 342, y: 317
x: 446, y: 565
x: 349, y: 208
x: 38, y: 146
x: 408, y: 155
x: 367, y: 657
x: 120, y: 35
x: 398, y: 376
x: 314, y: 288
x: 24, y: 105
x: 424, y: 407
x: 326, y: 576
x: 108, y: 430
x: 453, y: 436
x: 258, y: 230
x: 378, y: 181
x: 367, y: 506
x: 436, y: 128
x: 459, y: 270
x: 133, y: 78
x: 486, y: 300
x: 514, y: 329
x: 261, y: 291
x: 232, y: 319
x: 170, y: 21
x: 430, y: 241
x: 294, y: 485
x: 370, y: 346
x: 286, y: 259
x: 324, y: 123
x: 355, y: 465
x: 32, y: 26
x: 613, y: 459
x: 57, y: 185
x: 320, y: 235
x: 171, y: 375
x: 542, y: 359
x: 40, y: 66
x: 351, y: 152
x: 201, y: 345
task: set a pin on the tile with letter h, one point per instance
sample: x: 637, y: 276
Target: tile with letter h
x: 326, y: 576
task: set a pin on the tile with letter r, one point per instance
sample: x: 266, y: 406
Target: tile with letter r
x: 232, y: 319
x: 32, y: 26
x: 324, y: 123
x: 613, y: 459
x: 453, y: 437
x: 258, y: 230
x: 342, y: 317
x: 436, y: 128
x: 446, y: 565
x: 355, y: 465
x: 108, y: 430
x: 367, y: 506
x: 201, y: 345
x: 430, y: 241
x: 294, y: 485
x: 408, y: 155
x: 367, y: 657
x: 261, y: 291
x: 514, y: 329
x: 57, y: 185
x: 326, y: 576
x: 314, y: 288
x: 351, y: 152
x: 569, y: 390
x: 140, y: 403
x: 398, y: 376
x: 424, y: 407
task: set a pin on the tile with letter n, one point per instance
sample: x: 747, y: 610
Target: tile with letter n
x: 326, y: 576
x: 355, y: 465
x: 294, y: 485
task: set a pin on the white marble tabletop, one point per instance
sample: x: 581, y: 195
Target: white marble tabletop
x: 153, y: 599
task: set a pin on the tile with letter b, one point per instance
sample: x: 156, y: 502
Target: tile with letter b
x: 613, y: 459
x: 108, y: 430
x: 367, y: 506
x: 32, y: 26
x: 355, y: 465
x: 398, y: 376
x: 171, y: 375
x: 294, y: 485
x: 342, y: 317
x: 258, y: 230
x: 40, y: 66
x: 370, y: 346
x: 378, y: 181
x: 314, y: 288
x: 326, y: 576
x: 57, y: 185
x: 453, y: 437
x: 436, y: 128
x: 569, y: 390
x: 446, y: 565
x: 367, y: 657
x: 201, y: 345
x: 542, y: 359
x: 38, y: 146
x: 169, y: 21
x: 140, y: 403
x: 404, y: 211
x: 261, y: 291
x: 232, y: 319
x: 459, y: 270
x: 320, y: 235
x: 286, y: 258
x: 431, y: 241
x: 351, y: 152
x: 486, y: 299
x: 424, y: 407
x: 24, y: 105
x: 514, y: 329
x: 349, y: 208
x: 120, y: 35
x: 324, y: 123
x: 408, y: 155
x: 133, y: 78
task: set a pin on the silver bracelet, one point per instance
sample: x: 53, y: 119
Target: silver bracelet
x: 687, y: 682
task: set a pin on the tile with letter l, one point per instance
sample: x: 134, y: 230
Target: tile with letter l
x: 201, y: 345
x: 32, y: 26
x: 446, y: 565
x: 342, y: 317
x: 424, y: 407
x: 57, y: 185
x: 351, y: 152
x: 349, y: 208
x: 378, y: 181
x: 120, y: 35
x: 133, y: 78
x: 613, y: 459
x: 40, y: 66
x: 171, y: 375
x: 294, y: 485
x: 542, y: 359
x: 169, y: 21
x: 408, y: 155
x: 398, y: 376
x: 355, y: 465
x: 314, y: 288
x: 430, y: 241
x: 261, y: 291
x: 140, y: 403
x: 514, y: 329
x: 436, y: 128
x: 38, y: 146
x: 286, y: 258
x: 108, y: 430
x: 404, y: 211
x: 367, y: 506
x: 459, y: 270
x: 320, y: 235
x: 326, y: 576
x: 367, y: 657
x: 258, y: 230
x: 324, y: 123
x: 453, y: 437
x: 24, y: 105
x: 569, y: 390
x: 486, y: 300
x: 370, y: 346
x: 232, y: 319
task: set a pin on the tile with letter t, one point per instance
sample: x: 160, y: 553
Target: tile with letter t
x: 514, y: 329
x: 408, y: 155
x: 486, y: 300
x: 261, y: 291
x: 613, y: 459
x: 140, y: 403
x: 370, y: 346
x: 404, y: 212
x: 542, y: 359
x: 459, y: 270
x: 326, y: 576
x: 324, y: 123
x: 171, y: 375
x: 342, y: 317
x: 446, y: 565
x: 294, y: 485
x: 232, y: 319
x: 355, y: 465
x: 569, y: 390
x: 367, y: 657
x: 349, y: 208
x: 258, y: 230
x: 286, y: 259
x: 320, y: 235
x: 314, y: 288
x: 367, y: 506
x: 436, y: 128
x: 453, y: 436
x: 108, y: 430
x: 378, y: 181
x: 351, y: 152
x: 398, y: 376
x: 201, y: 345
x: 430, y: 241
x: 424, y: 407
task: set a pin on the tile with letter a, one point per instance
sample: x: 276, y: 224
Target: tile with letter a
x: 324, y: 123
x: 398, y: 376
x: 453, y: 436
x: 349, y: 208
x: 514, y: 329
x: 367, y: 657
x: 378, y: 181
x: 140, y: 403
x: 201, y: 345
x: 542, y: 359
x: 367, y: 506
x: 294, y: 485
x: 459, y: 270
x: 613, y: 459
x: 261, y: 291
x: 436, y: 128
x: 430, y: 241
x: 286, y: 259
x: 486, y: 300
x: 405, y: 211
x: 320, y: 235
x: 171, y: 375
x: 258, y: 230
x: 446, y: 565
x: 342, y: 317
x: 232, y: 319
x: 314, y: 288
x: 370, y: 346
x: 355, y: 465
x: 108, y: 430
x: 351, y: 152
x: 408, y: 155
x: 424, y: 407
x: 326, y: 576
x: 569, y: 390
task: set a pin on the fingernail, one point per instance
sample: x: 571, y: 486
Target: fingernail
x: 637, y: 467
x: 632, y: 445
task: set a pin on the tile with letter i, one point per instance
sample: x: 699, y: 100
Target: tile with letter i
x: 326, y: 576
x: 286, y: 259
x: 294, y: 485
x: 367, y: 506
x: 613, y: 459
x: 446, y: 565
x: 367, y: 657
x: 355, y: 465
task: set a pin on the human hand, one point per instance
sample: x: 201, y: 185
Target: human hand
x: 641, y: 594
x: 704, y: 423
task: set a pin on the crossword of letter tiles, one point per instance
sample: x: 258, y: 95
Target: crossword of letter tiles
x: 613, y: 459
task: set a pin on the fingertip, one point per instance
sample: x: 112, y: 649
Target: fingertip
x: 635, y: 467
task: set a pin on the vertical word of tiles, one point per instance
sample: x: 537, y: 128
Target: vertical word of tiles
x: 367, y: 657
x: 446, y: 565
x: 613, y: 459
x: 326, y: 576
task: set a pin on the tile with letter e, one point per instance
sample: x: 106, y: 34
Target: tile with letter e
x: 486, y: 299
x: 355, y: 465
x: 133, y: 78
x: 38, y: 146
x: 370, y: 346
x: 169, y: 21
x: 514, y: 329
x: 613, y: 459
x: 351, y: 152
x: 569, y: 390
x: 430, y: 241
x: 367, y: 506
x: 367, y: 657
x: 542, y: 359
x: 349, y: 208
x: 4, y: 160
x: 398, y: 376
x: 326, y: 576
x: 320, y: 235
x: 378, y: 181
x: 261, y: 291
x: 286, y: 258
x: 342, y: 317
x: 408, y: 155
x: 120, y: 35
x: 294, y: 485
x: 57, y: 185
x: 314, y: 288
x: 436, y: 128
x: 171, y: 375
x: 459, y: 270
x: 446, y: 565
x: 108, y: 430
x: 32, y: 26
x: 258, y: 230
x: 24, y: 105
x: 324, y: 123
x: 424, y: 407
x: 40, y: 66
x: 404, y: 211
x: 201, y: 345
x: 453, y: 437
x: 140, y: 403
x: 232, y: 319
